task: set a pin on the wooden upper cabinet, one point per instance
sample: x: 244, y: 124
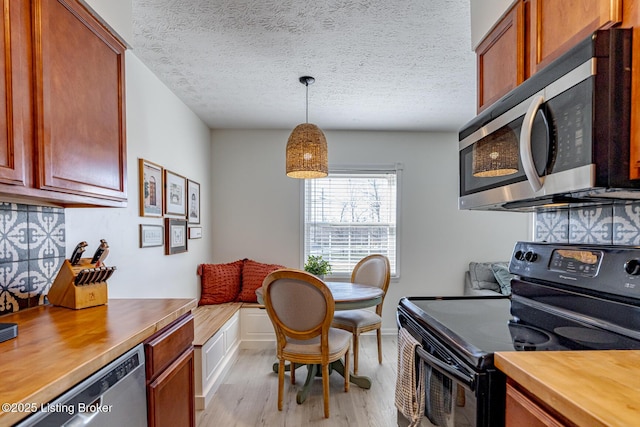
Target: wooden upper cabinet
x: 79, y: 103
x: 531, y: 35
x: 500, y: 62
x: 15, y: 112
x: 556, y: 26
x: 631, y: 19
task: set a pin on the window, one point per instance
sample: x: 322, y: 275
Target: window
x: 351, y: 214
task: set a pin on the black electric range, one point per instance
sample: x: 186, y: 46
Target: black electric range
x: 564, y: 297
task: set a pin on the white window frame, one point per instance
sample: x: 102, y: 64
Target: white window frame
x: 358, y: 169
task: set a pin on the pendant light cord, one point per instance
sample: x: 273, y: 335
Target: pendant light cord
x: 307, y: 99
x: 306, y: 81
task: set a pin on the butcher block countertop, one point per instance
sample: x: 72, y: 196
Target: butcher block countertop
x: 590, y: 388
x: 58, y: 347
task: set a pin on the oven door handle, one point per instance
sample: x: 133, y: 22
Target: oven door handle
x: 468, y: 380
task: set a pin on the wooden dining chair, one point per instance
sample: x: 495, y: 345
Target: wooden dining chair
x: 301, y: 308
x: 373, y: 270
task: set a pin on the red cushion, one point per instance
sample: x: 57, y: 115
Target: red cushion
x: 220, y: 282
x: 253, y: 273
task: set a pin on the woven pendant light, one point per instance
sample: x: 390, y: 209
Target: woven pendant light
x: 496, y: 155
x: 307, y: 147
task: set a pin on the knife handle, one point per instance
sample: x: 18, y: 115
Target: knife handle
x: 77, y: 253
x: 101, y: 252
x: 101, y: 275
x: 109, y: 273
x: 82, y: 277
x: 79, y: 278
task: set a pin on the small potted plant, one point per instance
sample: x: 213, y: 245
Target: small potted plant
x: 317, y: 266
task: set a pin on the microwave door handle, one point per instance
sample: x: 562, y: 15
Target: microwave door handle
x: 526, y: 154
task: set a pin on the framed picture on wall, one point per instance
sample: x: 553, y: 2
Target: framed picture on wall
x: 175, y: 194
x: 151, y: 181
x: 151, y: 235
x: 195, y: 232
x: 193, y: 202
x: 175, y: 236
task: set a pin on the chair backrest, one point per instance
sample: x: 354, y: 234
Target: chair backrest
x: 373, y: 270
x: 299, y: 305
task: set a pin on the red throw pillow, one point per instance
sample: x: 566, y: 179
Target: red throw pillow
x: 253, y: 274
x: 220, y: 282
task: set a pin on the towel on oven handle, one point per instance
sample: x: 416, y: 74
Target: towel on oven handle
x: 410, y: 396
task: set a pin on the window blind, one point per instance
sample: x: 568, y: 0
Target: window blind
x: 349, y: 215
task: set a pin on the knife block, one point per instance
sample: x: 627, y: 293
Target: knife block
x: 65, y: 293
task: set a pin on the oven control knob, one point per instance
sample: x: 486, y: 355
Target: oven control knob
x: 632, y: 267
x: 519, y: 255
x: 530, y: 256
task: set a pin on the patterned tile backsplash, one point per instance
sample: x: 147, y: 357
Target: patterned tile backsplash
x: 32, y: 249
x: 615, y: 224
x: 32, y: 242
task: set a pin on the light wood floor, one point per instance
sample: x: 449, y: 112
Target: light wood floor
x: 249, y: 395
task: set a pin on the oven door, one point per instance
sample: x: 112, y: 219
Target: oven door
x: 450, y: 393
x: 455, y: 394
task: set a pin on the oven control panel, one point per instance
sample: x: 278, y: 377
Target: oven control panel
x: 576, y: 261
x: 611, y: 269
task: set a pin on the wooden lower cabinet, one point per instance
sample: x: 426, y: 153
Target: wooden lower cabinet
x: 169, y: 360
x: 523, y: 411
x: 170, y: 397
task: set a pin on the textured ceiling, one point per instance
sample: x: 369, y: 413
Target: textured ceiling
x: 378, y: 64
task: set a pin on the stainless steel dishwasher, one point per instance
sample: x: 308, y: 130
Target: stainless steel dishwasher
x: 113, y: 396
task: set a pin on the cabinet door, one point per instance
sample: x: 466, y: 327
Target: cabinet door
x: 165, y: 345
x: 171, y: 396
x: 15, y: 75
x: 522, y: 411
x: 631, y: 17
x: 556, y: 26
x: 500, y: 58
x: 79, y: 102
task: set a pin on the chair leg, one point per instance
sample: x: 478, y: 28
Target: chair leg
x: 355, y: 352
x: 280, y: 383
x: 292, y: 371
x: 379, y: 334
x: 346, y: 371
x: 325, y: 389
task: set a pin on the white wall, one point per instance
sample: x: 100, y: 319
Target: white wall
x: 251, y: 209
x: 484, y: 15
x: 161, y: 129
x: 117, y: 14
x: 256, y: 208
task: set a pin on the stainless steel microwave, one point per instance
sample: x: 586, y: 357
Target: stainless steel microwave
x: 561, y: 137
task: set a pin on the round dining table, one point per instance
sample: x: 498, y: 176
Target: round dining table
x: 347, y: 296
